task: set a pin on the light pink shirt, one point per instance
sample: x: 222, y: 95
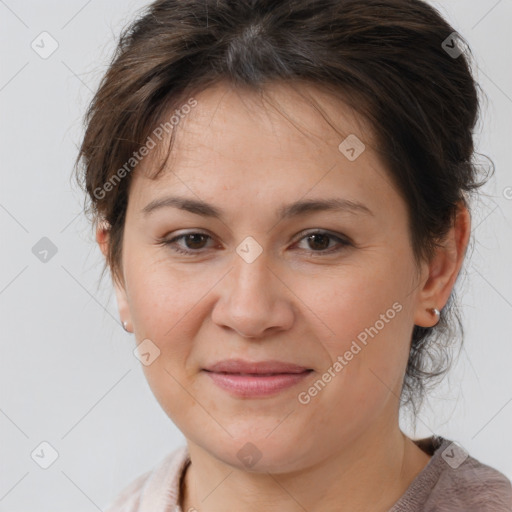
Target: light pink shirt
x: 452, y: 481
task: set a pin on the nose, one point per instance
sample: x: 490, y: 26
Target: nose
x: 253, y: 300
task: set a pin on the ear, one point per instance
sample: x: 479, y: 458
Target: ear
x: 441, y: 273
x: 103, y: 239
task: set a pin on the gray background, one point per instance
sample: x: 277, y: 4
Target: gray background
x: 68, y: 375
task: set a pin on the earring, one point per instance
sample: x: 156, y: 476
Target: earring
x: 436, y: 312
x: 125, y: 325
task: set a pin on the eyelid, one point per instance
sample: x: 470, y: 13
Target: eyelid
x: 320, y: 231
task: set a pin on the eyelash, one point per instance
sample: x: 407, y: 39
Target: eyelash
x: 174, y: 247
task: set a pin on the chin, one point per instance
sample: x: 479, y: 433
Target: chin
x: 261, y: 455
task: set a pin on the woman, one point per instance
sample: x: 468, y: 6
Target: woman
x: 226, y: 141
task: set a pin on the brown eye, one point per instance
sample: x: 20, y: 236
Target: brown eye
x: 193, y: 242
x: 320, y: 242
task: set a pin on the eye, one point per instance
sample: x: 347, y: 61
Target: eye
x: 319, y: 242
x: 193, y: 243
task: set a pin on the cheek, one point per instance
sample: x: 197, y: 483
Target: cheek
x: 168, y: 306
x: 162, y: 297
x: 356, y: 298
x: 162, y: 305
x: 368, y: 317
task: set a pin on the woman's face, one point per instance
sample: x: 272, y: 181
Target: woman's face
x: 256, y: 286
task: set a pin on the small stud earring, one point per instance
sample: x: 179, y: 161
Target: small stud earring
x: 436, y: 312
x: 125, y: 326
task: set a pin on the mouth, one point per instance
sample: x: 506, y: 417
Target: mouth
x: 256, y: 379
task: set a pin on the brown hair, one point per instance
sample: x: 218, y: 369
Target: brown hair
x: 390, y: 60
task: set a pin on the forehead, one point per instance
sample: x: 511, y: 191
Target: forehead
x: 286, y: 138
x: 297, y: 116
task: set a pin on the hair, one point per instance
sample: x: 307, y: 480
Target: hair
x: 387, y: 59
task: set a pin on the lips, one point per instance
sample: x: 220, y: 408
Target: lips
x: 245, y: 379
x: 241, y: 367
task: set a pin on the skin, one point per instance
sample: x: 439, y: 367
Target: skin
x: 344, y: 449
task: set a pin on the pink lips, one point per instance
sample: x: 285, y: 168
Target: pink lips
x: 255, y: 379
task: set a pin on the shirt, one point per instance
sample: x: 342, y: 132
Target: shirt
x: 452, y: 481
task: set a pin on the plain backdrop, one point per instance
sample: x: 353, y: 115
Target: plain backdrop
x: 68, y: 376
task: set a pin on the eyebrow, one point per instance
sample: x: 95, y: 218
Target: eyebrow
x: 287, y: 211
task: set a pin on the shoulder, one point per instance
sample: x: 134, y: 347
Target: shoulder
x: 465, y: 483
x: 151, y: 485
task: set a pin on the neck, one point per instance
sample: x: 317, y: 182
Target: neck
x: 370, y: 473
